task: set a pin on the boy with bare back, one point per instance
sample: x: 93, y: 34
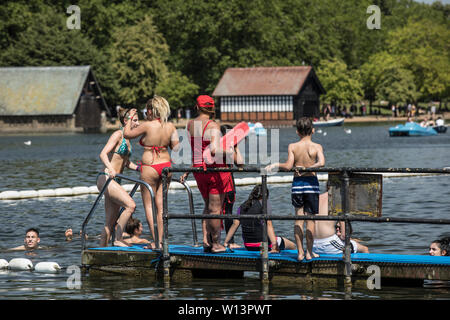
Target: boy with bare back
x: 305, y: 186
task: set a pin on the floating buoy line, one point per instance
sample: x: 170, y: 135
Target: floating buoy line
x: 78, y: 191
x: 23, y: 264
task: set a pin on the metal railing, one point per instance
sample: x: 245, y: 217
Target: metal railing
x: 346, y: 216
x: 100, y: 195
x: 154, y: 210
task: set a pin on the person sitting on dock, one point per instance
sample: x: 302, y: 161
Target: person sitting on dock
x: 305, y: 186
x: 252, y: 229
x: 134, y: 229
x: 440, y: 247
x: 157, y: 136
x: 31, y: 241
x: 115, y: 156
x: 329, y: 236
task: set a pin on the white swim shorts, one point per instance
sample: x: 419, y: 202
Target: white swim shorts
x: 332, y: 245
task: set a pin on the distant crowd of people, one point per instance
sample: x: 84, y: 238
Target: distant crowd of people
x: 397, y: 110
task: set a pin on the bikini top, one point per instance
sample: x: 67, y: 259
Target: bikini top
x: 156, y: 149
x: 123, y: 148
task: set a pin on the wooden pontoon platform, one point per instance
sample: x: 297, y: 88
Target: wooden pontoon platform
x: 187, y: 262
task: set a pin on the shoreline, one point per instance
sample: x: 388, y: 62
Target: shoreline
x: 181, y: 124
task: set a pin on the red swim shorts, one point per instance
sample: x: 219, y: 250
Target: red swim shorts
x: 213, y: 182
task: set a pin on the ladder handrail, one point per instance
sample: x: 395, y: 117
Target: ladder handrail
x: 191, y: 209
x: 137, y: 181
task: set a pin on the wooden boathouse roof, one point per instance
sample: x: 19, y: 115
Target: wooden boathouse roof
x: 265, y: 81
x: 41, y: 91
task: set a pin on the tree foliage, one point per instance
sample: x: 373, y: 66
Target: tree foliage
x: 138, y: 58
x: 182, y: 47
x: 342, y: 85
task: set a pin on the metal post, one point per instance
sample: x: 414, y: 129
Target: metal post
x: 347, y: 251
x: 265, y: 253
x: 166, y: 256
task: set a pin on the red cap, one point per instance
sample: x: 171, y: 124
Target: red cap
x: 205, y: 101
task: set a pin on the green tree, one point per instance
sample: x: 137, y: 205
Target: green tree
x: 396, y: 85
x: 177, y: 89
x: 138, y: 56
x: 426, y: 52
x: 48, y: 42
x: 342, y: 85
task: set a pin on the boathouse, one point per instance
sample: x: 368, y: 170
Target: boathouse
x: 51, y: 99
x: 271, y: 95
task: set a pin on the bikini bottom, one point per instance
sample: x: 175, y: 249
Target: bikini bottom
x: 159, y: 166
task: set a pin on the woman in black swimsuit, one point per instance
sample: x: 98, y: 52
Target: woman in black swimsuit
x: 252, y: 229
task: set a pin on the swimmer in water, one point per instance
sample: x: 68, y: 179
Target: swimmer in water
x: 134, y: 229
x: 31, y: 241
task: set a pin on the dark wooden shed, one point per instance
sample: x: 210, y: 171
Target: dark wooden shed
x: 268, y: 94
x: 51, y: 99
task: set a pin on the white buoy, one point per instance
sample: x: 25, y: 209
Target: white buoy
x: 325, y: 133
x: 20, y: 264
x: 24, y: 194
x: 319, y: 131
x: 9, y: 195
x: 348, y: 131
x: 63, y: 192
x: 46, y: 193
x: 3, y: 264
x: 27, y: 143
x: 47, y: 267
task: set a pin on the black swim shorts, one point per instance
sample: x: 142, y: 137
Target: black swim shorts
x: 308, y: 201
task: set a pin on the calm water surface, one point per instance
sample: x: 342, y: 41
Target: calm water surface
x: 70, y: 160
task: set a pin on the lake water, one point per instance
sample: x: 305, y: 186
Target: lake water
x: 70, y: 160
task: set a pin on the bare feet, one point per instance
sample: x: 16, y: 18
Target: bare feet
x: 234, y: 246
x: 311, y: 256
x: 218, y: 248
x: 301, y: 255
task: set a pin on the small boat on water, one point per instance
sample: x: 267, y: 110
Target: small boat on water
x: 440, y: 129
x: 411, y: 129
x: 329, y: 123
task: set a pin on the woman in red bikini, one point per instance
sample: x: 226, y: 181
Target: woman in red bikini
x: 157, y: 135
x: 203, y: 131
x: 115, y: 156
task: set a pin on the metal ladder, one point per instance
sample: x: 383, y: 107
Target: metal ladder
x: 154, y: 210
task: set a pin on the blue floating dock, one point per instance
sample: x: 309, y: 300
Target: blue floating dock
x: 291, y: 255
x: 187, y: 262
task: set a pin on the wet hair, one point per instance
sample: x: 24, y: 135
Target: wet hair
x: 160, y: 108
x: 256, y: 194
x: 34, y: 230
x: 132, y: 225
x: 123, y: 113
x: 444, y: 244
x: 304, y: 126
